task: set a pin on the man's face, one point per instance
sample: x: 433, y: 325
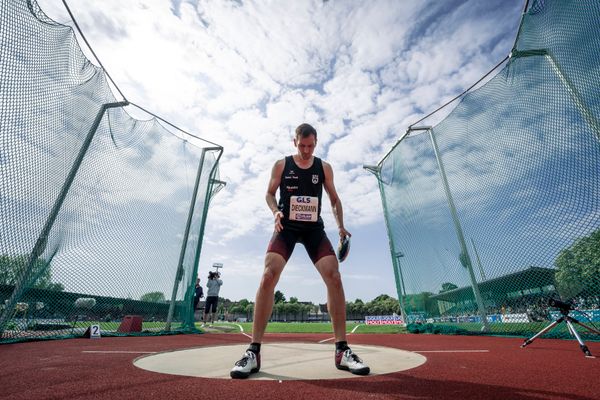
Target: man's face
x: 306, y: 146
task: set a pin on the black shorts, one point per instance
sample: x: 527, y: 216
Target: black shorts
x: 314, y: 240
x: 211, y: 303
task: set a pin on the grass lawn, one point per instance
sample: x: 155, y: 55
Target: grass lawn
x: 523, y: 330
x: 316, y: 327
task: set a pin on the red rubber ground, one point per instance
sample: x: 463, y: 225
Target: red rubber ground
x: 546, y: 369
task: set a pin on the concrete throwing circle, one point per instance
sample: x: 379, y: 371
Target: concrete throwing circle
x: 279, y: 361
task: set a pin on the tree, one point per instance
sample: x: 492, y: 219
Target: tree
x: 417, y: 302
x: 307, y: 308
x: 356, y: 308
x: 447, y: 286
x: 153, y: 297
x: 244, y: 303
x: 578, y: 267
x: 237, y: 309
x: 381, y: 297
x: 380, y: 305
x: 279, y: 297
x: 293, y: 299
x: 279, y: 310
x: 249, y: 309
x: 293, y: 309
x: 11, y: 267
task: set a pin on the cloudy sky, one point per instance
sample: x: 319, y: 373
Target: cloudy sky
x: 244, y: 74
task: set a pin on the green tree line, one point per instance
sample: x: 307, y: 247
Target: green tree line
x: 381, y: 305
x: 11, y: 268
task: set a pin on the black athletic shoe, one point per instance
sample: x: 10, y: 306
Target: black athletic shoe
x: 248, y: 364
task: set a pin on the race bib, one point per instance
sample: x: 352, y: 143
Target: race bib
x: 304, y: 208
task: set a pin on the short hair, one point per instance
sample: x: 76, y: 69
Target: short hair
x: 305, y: 130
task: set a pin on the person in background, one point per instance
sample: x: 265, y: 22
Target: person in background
x: 198, y: 294
x: 212, y: 296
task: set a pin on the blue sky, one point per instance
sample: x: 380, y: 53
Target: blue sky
x: 245, y: 74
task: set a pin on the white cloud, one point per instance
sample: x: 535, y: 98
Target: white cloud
x: 244, y: 75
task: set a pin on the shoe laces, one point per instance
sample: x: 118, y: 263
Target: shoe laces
x: 350, y: 355
x: 244, y: 360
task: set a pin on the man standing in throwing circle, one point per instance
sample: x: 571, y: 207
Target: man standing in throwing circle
x: 300, y: 179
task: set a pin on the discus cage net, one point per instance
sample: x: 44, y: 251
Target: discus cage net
x: 101, y: 215
x: 495, y: 209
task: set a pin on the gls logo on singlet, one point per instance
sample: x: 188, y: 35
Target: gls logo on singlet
x: 303, y: 199
x: 315, y: 179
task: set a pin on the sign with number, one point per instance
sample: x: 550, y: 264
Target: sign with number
x: 94, y: 331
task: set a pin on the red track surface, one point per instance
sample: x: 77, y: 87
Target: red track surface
x: 546, y: 369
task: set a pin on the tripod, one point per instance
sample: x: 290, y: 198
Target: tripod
x: 569, y: 321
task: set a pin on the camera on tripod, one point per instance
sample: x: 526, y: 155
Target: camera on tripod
x: 563, y: 306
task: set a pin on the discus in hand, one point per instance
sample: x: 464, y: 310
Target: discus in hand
x: 343, y: 248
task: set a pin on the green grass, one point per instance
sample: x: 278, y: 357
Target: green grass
x: 518, y: 329
x: 523, y: 330
x: 318, y: 327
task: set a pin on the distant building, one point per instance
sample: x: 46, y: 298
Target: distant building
x: 518, y: 288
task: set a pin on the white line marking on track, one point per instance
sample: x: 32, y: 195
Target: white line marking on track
x: 326, y: 340
x: 450, y: 351
x: 332, y: 338
x: 118, y: 352
x: 241, y: 327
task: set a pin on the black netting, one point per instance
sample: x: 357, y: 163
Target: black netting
x: 495, y: 210
x: 101, y: 215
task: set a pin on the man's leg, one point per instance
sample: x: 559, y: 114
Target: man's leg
x: 328, y: 267
x: 263, y: 306
x: 345, y: 359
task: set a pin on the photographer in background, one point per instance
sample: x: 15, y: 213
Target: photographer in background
x: 198, y: 294
x: 212, y: 296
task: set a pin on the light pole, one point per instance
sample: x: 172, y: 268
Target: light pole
x: 399, y: 255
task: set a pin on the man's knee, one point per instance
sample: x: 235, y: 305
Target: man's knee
x: 329, y: 269
x: 269, y: 279
x: 274, y: 264
x: 333, y: 279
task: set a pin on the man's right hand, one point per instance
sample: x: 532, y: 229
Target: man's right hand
x: 278, y: 216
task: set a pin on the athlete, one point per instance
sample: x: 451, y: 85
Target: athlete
x: 301, y: 179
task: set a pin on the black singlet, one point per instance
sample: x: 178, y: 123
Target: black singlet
x: 308, y: 184
x: 305, y: 185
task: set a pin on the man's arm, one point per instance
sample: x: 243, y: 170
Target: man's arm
x: 336, y: 203
x: 272, y: 190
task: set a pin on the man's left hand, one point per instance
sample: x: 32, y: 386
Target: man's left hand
x: 343, y: 232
